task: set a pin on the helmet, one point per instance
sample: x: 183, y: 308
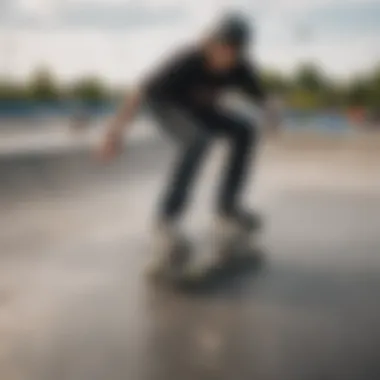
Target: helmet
x: 234, y: 30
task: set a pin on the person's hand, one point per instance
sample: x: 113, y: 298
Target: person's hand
x: 111, y: 145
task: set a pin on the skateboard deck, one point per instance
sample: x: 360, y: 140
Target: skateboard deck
x: 238, y: 261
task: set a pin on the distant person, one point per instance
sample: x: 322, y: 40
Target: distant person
x: 183, y: 98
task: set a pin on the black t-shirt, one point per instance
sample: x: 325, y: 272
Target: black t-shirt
x: 186, y: 80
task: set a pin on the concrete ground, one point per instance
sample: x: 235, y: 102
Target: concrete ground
x: 74, y: 238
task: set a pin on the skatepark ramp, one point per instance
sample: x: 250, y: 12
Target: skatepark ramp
x: 74, y: 241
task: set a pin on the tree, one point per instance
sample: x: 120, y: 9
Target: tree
x: 357, y: 93
x: 275, y: 82
x: 309, y: 77
x: 332, y: 96
x: 11, y: 91
x: 89, y: 89
x: 374, y: 90
x: 305, y: 99
x: 42, y: 86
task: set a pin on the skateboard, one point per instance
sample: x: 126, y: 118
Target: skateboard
x: 234, y: 256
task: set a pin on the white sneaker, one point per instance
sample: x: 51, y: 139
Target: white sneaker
x: 231, y: 238
x: 170, y: 250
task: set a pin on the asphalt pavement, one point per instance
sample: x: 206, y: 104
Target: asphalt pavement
x: 74, y: 240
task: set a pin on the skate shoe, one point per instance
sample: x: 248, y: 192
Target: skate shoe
x: 171, y: 251
x: 235, y: 234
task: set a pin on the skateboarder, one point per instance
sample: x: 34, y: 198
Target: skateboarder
x: 183, y: 97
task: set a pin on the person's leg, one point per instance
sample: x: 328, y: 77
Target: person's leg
x: 192, y: 141
x: 191, y: 137
x: 234, y: 224
x: 183, y: 176
x: 197, y: 131
x: 242, y: 139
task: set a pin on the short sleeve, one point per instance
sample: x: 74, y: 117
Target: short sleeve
x: 175, y: 72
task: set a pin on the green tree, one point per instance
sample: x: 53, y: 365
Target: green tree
x: 374, y: 90
x: 301, y: 98
x: 276, y: 82
x: 11, y: 91
x: 310, y: 78
x: 333, y: 95
x: 358, y: 93
x: 89, y: 89
x: 311, y: 88
x: 43, y: 86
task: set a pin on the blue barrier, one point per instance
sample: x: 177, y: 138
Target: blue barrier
x: 22, y: 109
x: 294, y: 119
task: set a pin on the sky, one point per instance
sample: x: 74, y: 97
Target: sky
x: 121, y: 40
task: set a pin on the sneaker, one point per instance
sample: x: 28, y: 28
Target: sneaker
x: 171, y: 251
x: 242, y: 220
x: 234, y: 233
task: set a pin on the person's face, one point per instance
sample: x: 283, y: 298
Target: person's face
x: 221, y: 56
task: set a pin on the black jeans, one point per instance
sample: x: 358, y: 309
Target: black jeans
x: 194, y: 130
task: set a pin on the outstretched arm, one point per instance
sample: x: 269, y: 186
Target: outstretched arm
x: 126, y: 113
x: 111, y: 144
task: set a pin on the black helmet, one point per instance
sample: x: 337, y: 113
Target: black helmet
x: 235, y: 30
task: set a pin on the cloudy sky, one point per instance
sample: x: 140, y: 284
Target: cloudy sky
x: 121, y: 39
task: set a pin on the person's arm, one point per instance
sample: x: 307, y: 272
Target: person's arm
x: 174, y: 72
x: 123, y: 118
x: 172, y: 75
x: 126, y: 113
x: 252, y: 85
